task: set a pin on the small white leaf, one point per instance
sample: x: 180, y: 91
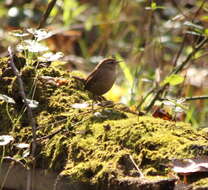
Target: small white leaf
x: 22, y: 145
x: 40, y: 34
x: 80, y: 105
x: 5, y: 139
x: 32, y: 103
x: 7, y: 98
x: 99, y: 115
x: 26, y: 153
x: 31, y: 46
x: 51, y: 56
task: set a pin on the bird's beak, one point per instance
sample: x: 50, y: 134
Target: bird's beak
x: 118, y: 61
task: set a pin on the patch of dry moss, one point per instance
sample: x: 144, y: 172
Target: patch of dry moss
x: 92, y: 148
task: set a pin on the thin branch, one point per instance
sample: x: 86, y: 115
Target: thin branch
x: 199, y: 9
x: 156, y: 97
x: 29, y: 110
x: 196, y: 98
x: 205, y: 97
x: 185, y: 36
x: 201, y: 56
x: 144, y: 99
x: 11, y: 159
x: 180, y: 10
x: 47, y: 13
x: 184, y: 63
x: 50, y: 135
x: 5, y: 176
x: 22, y: 93
x: 135, y: 165
x: 180, y: 51
x: 176, y: 69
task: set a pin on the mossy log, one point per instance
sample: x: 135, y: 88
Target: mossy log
x: 82, y: 149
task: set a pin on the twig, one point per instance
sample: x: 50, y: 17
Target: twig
x: 157, y: 95
x: 51, y: 124
x: 196, y: 98
x: 47, y: 13
x: 185, y: 36
x: 29, y: 110
x: 11, y: 159
x: 199, y: 9
x: 6, y: 175
x: 180, y: 51
x: 201, y: 56
x: 184, y: 13
x: 184, y: 63
x: 135, y: 165
x: 144, y: 99
x: 190, y: 98
x: 23, y: 95
x: 58, y: 178
x: 177, y: 70
x: 50, y: 135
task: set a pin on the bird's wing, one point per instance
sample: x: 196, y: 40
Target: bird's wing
x: 92, y: 75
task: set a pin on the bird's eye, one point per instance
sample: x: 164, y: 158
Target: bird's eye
x: 110, y: 62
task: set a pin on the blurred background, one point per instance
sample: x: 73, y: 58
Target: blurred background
x: 151, y: 37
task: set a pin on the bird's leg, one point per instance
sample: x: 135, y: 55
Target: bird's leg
x: 93, y: 100
x: 92, y: 105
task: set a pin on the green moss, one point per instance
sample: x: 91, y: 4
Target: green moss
x: 201, y: 183
x: 91, y: 147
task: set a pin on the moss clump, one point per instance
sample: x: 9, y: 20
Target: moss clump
x: 202, y: 183
x: 93, y: 148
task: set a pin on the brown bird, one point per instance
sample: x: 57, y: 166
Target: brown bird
x: 102, y: 78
